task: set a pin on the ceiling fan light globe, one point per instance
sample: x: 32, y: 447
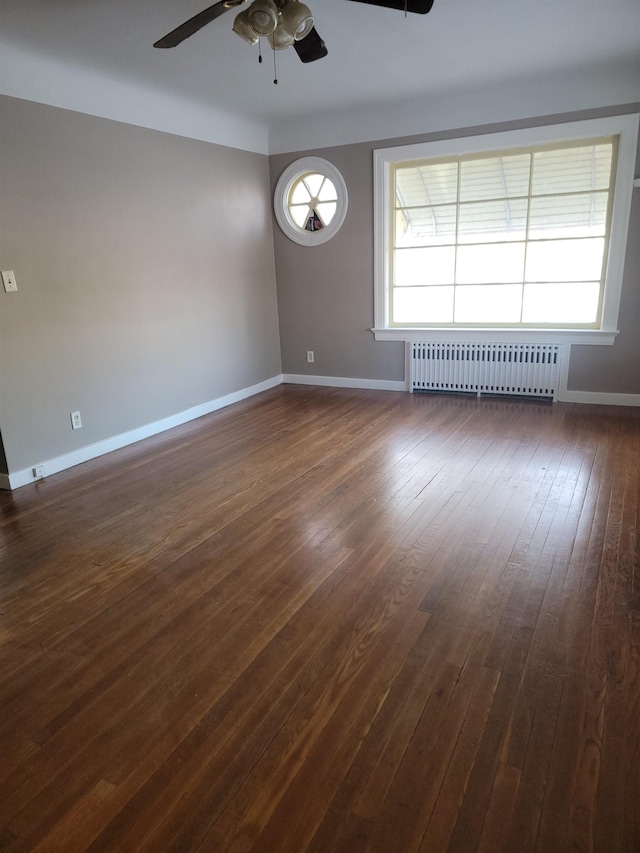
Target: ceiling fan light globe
x: 304, y: 29
x: 263, y: 17
x: 242, y: 28
x: 280, y: 38
x: 297, y: 18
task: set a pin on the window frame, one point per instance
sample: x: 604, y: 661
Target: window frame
x: 287, y: 179
x: 623, y: 126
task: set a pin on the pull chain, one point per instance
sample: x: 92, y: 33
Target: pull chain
x: 260, y: 50
x: 275, y: 73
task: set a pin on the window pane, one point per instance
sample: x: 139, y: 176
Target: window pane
x: 435, y: 183
x: 492, y: 262
x: 327, y: 191
x: 423, y: 305
x: 424, y: 266
x: 314, y: 181
x: 568, y: 216
x: 494, y: 223
x: 494, y: 177
x: 561, y: 302
x: 493, y: 220
x: 565, y: 260
x: 299, y: 194
x: 570, y: 170
x: 425, y: 226
x: 490, y: 303
x: 326, y: 211
x: 299, y: 214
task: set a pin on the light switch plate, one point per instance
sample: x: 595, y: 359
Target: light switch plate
x: 9, y: 281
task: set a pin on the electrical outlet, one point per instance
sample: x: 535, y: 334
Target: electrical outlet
x: 9, y: 281
x: 39, y: 472
x: 310, y: 356
x: 76, y: 422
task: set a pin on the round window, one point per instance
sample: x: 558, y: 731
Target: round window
x: 310, y: 201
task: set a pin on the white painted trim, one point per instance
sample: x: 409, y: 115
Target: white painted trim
x: 564, y: 396
x: 281, y: 201
x: 506, y: 336
x: 621, y: 211
x: 91, y: 451
x: 345, y: 382
x: 518, y: 138
x: 596, y: 398
x: 100, y: 448
x: 381, y: 241
x: 599, y: 398
x: 624, y: 126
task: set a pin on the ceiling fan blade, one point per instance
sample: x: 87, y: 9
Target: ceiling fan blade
x: 196, y: 23
x: 420, y: 7
x: 311, y: 47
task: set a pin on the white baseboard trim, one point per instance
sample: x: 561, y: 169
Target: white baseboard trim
x: 599, y: 399
x: 91, y: 451
x: 344, y: 382
x: 593, y: 398
x: 68, y: 460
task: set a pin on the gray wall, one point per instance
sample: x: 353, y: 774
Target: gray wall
x: 145, y: 272
x: 145, y: 268
x: 616, y: 369
x: 325, y: 293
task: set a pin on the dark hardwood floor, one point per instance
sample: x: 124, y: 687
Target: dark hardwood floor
x: 332, y: 621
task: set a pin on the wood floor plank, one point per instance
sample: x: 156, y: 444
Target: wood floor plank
x: 498, y: 817
x: 525, y: 820
x: 330, y: 621
x: 451, y: 793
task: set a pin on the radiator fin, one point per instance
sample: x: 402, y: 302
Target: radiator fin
x: 529, y: 370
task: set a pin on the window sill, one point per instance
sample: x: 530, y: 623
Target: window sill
x: 518, y: 336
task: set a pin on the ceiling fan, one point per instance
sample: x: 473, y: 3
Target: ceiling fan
x: 285, y: 23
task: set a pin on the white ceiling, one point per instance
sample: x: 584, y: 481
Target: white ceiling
x: 376, y: 56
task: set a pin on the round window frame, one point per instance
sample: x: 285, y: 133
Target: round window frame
x: 287, y: 179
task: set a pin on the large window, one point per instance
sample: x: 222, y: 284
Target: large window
x: 522, y: 231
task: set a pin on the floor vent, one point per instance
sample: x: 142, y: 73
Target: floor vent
x: 522, y: 370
